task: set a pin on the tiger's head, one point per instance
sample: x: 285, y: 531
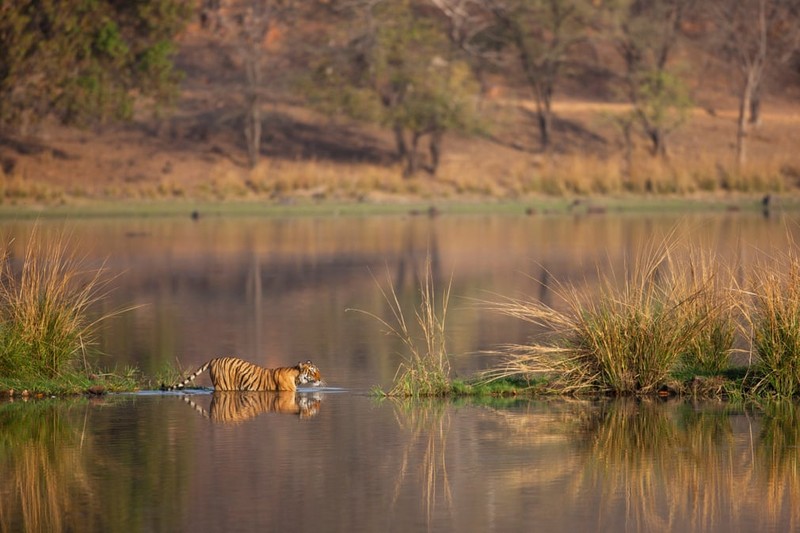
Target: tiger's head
x: 309, y: 373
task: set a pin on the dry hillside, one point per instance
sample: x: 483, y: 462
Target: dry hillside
x: 197, y: 150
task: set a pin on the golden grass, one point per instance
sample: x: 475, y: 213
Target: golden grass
x: 774, y: 318
x: 488, y: 173
x: 629, y: 335
x: 425, y: 370
x: 45, y: 321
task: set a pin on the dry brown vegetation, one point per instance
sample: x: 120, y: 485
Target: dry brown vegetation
x: 197, y: 151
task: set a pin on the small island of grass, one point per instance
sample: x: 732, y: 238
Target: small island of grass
x: 677, y: 323
x: 47, y: 329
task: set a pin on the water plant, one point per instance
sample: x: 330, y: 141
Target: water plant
x: 425, y: 370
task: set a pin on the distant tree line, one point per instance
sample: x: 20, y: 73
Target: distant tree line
x: 417, y: 67
x: 85, y: 61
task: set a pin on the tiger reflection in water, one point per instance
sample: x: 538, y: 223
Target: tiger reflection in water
x: 233, y: 407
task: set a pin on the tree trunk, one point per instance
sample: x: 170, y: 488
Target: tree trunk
x: 254, y: 27
x: 412, y: 161
x: 755, y: 108
x: 400, y: 142
x: 435, y: 148
x: 753, y: 75
x: 627, y: 149
x: 741, y: 129
x: 544, y: 114
x: 252, y: 129
x: 658, y: 147
x: 545, y: 121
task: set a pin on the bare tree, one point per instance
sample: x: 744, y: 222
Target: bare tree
x: 646, y: 34
x: 753, y: 35
x: 542, y: 33
x: 247, y: 24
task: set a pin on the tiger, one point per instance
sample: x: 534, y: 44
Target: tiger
x: 234, y: 374
x: 228, y: 407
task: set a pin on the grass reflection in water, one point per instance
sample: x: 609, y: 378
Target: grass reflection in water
x: 427, y: 421
x: 45, y: 480
x: 669, y: 465
x: 69, y: 465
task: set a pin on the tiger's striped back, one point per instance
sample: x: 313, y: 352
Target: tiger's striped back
x: 232, y: 373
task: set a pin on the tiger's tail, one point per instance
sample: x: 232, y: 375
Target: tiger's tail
x: 180, y: 385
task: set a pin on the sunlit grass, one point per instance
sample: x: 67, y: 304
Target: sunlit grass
x: 629, y: 335
x: 425, y: 370
x: 45, y: 326
x: 774, y: 317
x: 47, y: 329
x: 710, y: 300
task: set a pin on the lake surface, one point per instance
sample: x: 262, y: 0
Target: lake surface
x: 276, y: 291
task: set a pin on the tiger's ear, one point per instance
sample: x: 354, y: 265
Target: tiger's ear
x: 309, y: 362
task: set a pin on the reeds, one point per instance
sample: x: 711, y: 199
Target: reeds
x: 425, y: 370
x: 45, y: 321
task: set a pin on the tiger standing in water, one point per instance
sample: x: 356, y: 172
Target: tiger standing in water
x: 234, y: 374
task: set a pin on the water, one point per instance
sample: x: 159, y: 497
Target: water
x: 338, y: 459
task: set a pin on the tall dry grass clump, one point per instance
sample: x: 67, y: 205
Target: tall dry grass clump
x: 45, y: 324
x: 425, y: 370
x: 710, y: 294
x: 774, y: 318
x: 630, y: 335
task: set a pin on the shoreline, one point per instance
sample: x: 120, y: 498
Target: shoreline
x: 300, y: 207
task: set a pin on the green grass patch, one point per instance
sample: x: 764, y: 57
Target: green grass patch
x: 509, y: 386
x: 47, y: 326
x: 72, y: 383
